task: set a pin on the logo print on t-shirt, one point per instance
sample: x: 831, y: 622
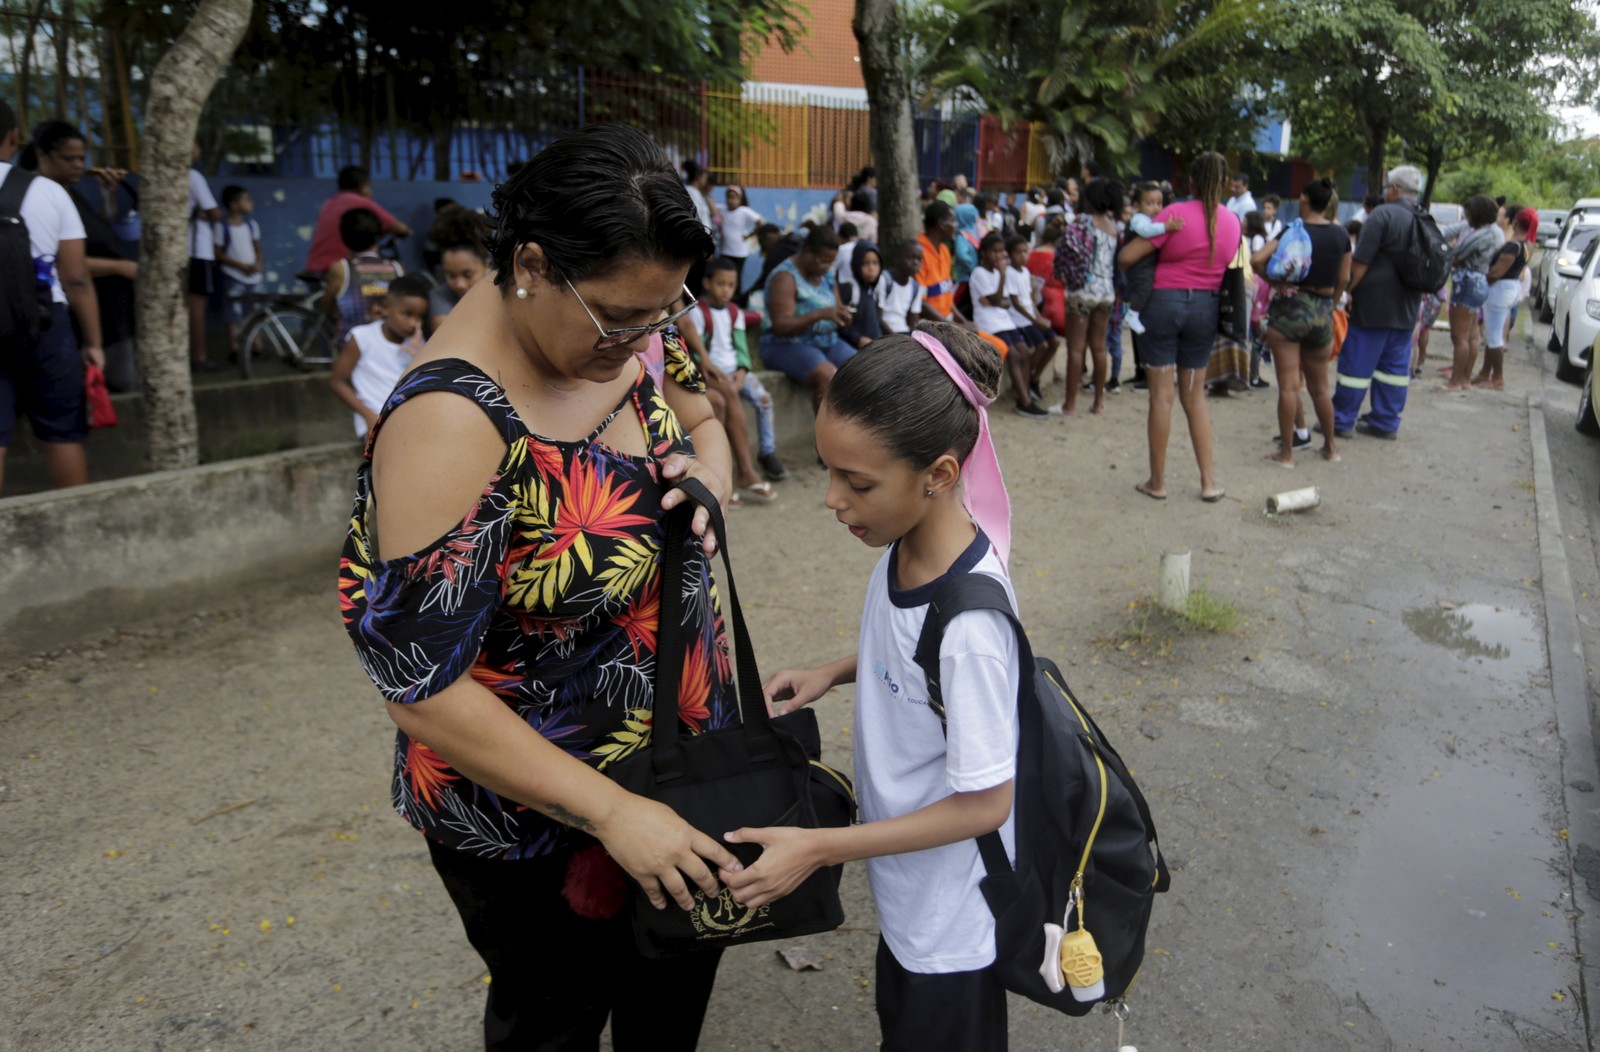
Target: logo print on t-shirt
x: 881, y: 672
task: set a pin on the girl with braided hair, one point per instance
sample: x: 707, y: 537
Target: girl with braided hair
x: 1181, y: 318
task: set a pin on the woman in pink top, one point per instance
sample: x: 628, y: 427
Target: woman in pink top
x: 1181, y: 319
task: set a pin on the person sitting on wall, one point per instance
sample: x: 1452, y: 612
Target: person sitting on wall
x: 355, y: 191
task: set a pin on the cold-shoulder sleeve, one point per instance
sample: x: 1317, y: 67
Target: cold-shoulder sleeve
x: 418, y: 621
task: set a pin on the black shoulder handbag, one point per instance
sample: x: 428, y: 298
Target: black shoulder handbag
x: 765, y: 772
x: 1233, y: 309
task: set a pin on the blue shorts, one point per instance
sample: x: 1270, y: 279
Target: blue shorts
x: 44, y: 382
x: 1468, y: 288
x: 1179, y: 327
x: 1023, y: 336
x: 798, y: 360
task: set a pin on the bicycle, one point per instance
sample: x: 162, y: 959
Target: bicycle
x: 290, y: 327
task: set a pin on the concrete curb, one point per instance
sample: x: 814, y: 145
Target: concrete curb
x: 1575, y: 718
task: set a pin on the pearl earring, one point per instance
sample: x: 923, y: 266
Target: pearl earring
x: 522, y: 293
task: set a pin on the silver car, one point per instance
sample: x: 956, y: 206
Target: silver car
x: 1561, y: 251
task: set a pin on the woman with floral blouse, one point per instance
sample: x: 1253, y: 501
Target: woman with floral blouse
x: 501, y: 581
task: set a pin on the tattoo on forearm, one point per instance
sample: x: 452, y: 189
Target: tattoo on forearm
x: 561, y: 814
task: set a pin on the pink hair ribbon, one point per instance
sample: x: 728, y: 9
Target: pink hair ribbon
x: 984, y: 493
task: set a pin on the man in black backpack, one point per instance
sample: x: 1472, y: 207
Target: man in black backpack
x: 1377, y: 348
x: 42, y: 365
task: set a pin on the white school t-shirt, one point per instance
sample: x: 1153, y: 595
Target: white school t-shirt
x: 1019, y: 283
x: 237, y: 241
x: 200, y: 200
x: 992, y: 320
x: 737, y: 226
x: 930, y: 910
x: 51, y: 218
x: 719, y: 346
x: 379, y: 368
x: 895, y: 301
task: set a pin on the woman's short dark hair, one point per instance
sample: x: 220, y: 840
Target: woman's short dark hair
x: 52, y: 135
x: 1105, y: 196
x: 1481, y: 210
x: 359, y: 229
x: 936, y: 213
x: 1318, y: 192
x: 594, y: 200
x: 821, y: 239
x: 896, y: 390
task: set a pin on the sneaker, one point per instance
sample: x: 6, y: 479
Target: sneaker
x: 1034, y: 393
x: 1114, y: 386
x: 772, y: 467
x: 1365, y: 427
x: 1141, y: 384
x: 1033, y: 411
x: 1302, y: 440
x: 1259, y: 384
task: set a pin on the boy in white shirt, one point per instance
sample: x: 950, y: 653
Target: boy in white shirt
x: 378, y: 353
x: 202, y: 285
x: 716, y: 335
x: 991, y: 313
x: 238, y: 250
x: 1042, y: 341
x: 899, y: 291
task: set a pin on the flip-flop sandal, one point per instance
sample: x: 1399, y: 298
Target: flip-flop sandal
x: 1153, y: 496
x: 761, y: 491
x: 735, y: 502
x: 1214, y: 497
x: 1270, y: 459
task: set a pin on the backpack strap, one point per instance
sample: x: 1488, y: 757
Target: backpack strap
x: 973, y: 591
x: 14, y: 189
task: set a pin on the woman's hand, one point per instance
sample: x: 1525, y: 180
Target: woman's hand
x: 789, y: 855
x: 678, y: 467
x: 790, y: 689
x: 658, y: 849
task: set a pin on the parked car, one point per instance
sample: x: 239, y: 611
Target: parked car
x: 1588, y: 422
x: 1444, y: 214
x: 1580, y: 230
x: 1550, y: 220
x: 1577, y: 315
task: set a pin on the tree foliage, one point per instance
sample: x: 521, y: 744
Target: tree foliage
x: 1427, y: 80
x: 1101, y: 77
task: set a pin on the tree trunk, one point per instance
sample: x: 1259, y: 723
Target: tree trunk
x: 1435, y: 159
x: 879, y: 37
x: 1377, y: 139
x: 178, y: 90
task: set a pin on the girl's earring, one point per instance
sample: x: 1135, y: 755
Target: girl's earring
x: 522, y: 293
x: 927, y: 493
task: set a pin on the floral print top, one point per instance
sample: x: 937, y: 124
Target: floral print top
x: 1100, y: 288
x: 547, y: 593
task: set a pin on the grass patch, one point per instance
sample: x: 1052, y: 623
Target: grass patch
x: 1527, y: 486
x: 1151, y: 626
x: 1210, y: 613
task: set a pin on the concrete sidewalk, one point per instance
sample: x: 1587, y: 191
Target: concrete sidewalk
x: 1360, y: 789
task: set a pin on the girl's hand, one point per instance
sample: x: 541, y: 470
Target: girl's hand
x: 658, y: 849
x: 678, y: 467
x: 789, y: 855
x: 790, y: 689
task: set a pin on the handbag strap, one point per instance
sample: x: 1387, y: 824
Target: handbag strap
x: 673, y: 638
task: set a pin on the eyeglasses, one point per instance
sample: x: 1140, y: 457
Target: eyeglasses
x: 613, y: 338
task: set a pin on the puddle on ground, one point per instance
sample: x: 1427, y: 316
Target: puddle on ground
x: 1478, y: 630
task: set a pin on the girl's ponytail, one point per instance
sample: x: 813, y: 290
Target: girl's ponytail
x: 896, y: 390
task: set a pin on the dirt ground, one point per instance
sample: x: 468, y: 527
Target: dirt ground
x: 1359, y: 795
